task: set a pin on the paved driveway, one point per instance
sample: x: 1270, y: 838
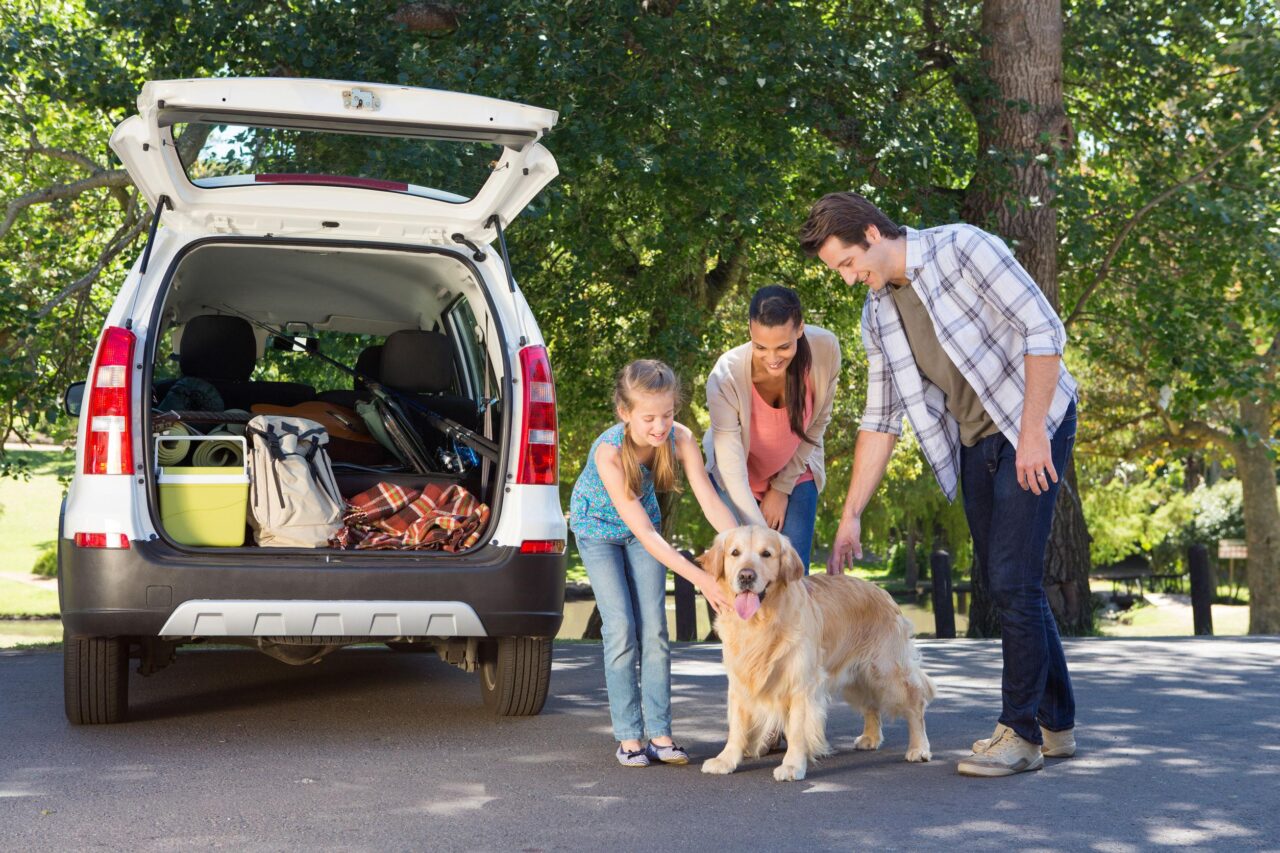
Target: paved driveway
x: 372, y: 750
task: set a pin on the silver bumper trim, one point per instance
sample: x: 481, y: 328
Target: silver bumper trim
x: 239, y: 618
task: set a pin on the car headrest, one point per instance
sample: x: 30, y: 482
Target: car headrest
x: 369, y: 362
x: 414, y: 360
x: 218, y: 347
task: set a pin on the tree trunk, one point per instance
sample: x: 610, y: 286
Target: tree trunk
x: 1012, y: 191
x: 1257, y: 473
x: 912, y: 574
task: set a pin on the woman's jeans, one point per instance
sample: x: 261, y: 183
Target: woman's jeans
x: 630, y: 587
x: 1010, y: 527
x: 798, y: 523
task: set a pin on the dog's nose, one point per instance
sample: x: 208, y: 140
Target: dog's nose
x: 746, y: 577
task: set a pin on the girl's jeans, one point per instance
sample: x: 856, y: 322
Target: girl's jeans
x: 630, y: 590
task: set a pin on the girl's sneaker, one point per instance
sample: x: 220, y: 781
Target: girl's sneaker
x: 667, y: 754
x: 638, y: 758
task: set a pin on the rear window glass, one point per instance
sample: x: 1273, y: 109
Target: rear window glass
x: 219, y: 155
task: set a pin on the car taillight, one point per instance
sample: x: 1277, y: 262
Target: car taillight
x: 109, y: 445
x: 539, y: 459
x: 542, y: 546
x: 102, y: 540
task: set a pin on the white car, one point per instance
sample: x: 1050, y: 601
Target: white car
x: 363, y: 221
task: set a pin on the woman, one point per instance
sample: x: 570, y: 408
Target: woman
x: 770, y: 403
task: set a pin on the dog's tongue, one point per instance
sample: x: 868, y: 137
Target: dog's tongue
x: 746, y: 603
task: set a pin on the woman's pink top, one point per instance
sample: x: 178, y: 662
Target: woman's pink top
x: 772, y: 441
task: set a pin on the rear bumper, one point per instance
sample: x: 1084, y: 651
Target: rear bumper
x: 136, y: 591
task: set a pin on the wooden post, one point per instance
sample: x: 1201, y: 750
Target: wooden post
x: 594, y: 625
x: 686, y: 607
x: 944, y: 614
x: 1202, y: 589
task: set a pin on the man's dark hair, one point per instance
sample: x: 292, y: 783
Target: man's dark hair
x: 844, y: 215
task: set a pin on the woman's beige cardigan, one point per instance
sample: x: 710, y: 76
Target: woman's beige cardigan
x: 728, y: 441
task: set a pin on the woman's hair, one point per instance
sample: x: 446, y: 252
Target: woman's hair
x: 647, y: 376
x: 774, y: 305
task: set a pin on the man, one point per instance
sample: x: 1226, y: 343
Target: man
x: 963, y: 342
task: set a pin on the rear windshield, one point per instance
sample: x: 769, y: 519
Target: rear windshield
x: 218, y: 155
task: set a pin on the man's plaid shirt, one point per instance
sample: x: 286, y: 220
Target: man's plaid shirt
x: 988, y: 314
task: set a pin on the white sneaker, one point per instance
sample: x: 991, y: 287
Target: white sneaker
x: 1056, y: 744
x: 1006, y: 754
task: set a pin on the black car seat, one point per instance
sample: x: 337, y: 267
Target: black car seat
x: 223, y: 351
x: 423, y: 363
x: 369, y: 363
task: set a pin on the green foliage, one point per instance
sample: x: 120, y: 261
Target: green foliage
x: 46, y: 565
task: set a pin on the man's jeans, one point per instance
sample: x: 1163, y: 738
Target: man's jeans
x: 630, y: 590
x: 801, y: 517
x: 1010, y: 527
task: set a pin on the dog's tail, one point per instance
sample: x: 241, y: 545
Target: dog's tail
x: 919, y: 679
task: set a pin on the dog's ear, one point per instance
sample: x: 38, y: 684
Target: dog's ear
x: 792, y: 565
x: 712, y: 560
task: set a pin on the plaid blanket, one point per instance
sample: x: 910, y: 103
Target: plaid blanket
x: 390, y: 517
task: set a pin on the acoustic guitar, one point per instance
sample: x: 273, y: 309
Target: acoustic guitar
x: 349, y: 439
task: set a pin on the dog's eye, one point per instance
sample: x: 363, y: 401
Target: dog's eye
x: 735, y: 553
x: 765, y: 554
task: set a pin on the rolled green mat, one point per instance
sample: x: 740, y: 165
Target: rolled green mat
x: 231, y: 429
x: 170, y: 453
x: 218, y: 454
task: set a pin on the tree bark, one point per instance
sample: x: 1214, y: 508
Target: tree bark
x: 1257, y: 473
x: 1022, y: 120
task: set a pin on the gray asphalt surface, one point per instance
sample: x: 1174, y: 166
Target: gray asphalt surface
x: 373, y: 750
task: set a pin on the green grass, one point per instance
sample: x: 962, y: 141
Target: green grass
x: 29, y: 508
x: 20, y: 599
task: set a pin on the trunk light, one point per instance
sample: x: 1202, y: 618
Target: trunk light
x: 109, y: 444
x: 539, y: 457
x: 102, y: 540
x: 542, y: 546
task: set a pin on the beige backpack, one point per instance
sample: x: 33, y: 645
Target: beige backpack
x: 293, y: 498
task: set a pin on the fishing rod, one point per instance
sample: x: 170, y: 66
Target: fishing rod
x: 391, y: 397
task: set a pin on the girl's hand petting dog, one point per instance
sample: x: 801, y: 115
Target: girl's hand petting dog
x: 713, y: 594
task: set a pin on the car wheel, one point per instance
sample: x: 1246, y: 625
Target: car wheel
x: 514, y: 675
x: 95, y: 679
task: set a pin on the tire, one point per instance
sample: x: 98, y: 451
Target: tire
x: 514, y: 675
x: 95, y: 679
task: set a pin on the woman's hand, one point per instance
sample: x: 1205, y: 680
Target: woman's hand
x: 714, y: 595
x: 773, y: 506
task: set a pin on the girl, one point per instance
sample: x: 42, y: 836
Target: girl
x: 770, y: 403
x: 615, y: 518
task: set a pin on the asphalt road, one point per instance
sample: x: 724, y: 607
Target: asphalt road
x: 373, y: 750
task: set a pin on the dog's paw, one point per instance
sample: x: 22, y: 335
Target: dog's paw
x: 919, y: 754
x: 867, y: 742
x: 718, y: 766
x: 788, y: 773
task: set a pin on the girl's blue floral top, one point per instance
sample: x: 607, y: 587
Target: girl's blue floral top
x: 592, y: 514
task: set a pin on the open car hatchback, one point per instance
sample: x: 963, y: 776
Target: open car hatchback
x: 331, y: 251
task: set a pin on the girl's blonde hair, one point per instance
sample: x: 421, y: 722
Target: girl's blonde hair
x: 647, y: 376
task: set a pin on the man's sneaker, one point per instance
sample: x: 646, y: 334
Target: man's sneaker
x: 633, y: 758
x: 1056, y: 744
x: 1006, y: 754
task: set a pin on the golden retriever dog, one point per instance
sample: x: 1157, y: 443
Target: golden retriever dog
x: 795, y: 642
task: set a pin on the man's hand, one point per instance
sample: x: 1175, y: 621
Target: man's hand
x: 847, y: 546
x: 1034, y: 461
x: 773, y: 506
